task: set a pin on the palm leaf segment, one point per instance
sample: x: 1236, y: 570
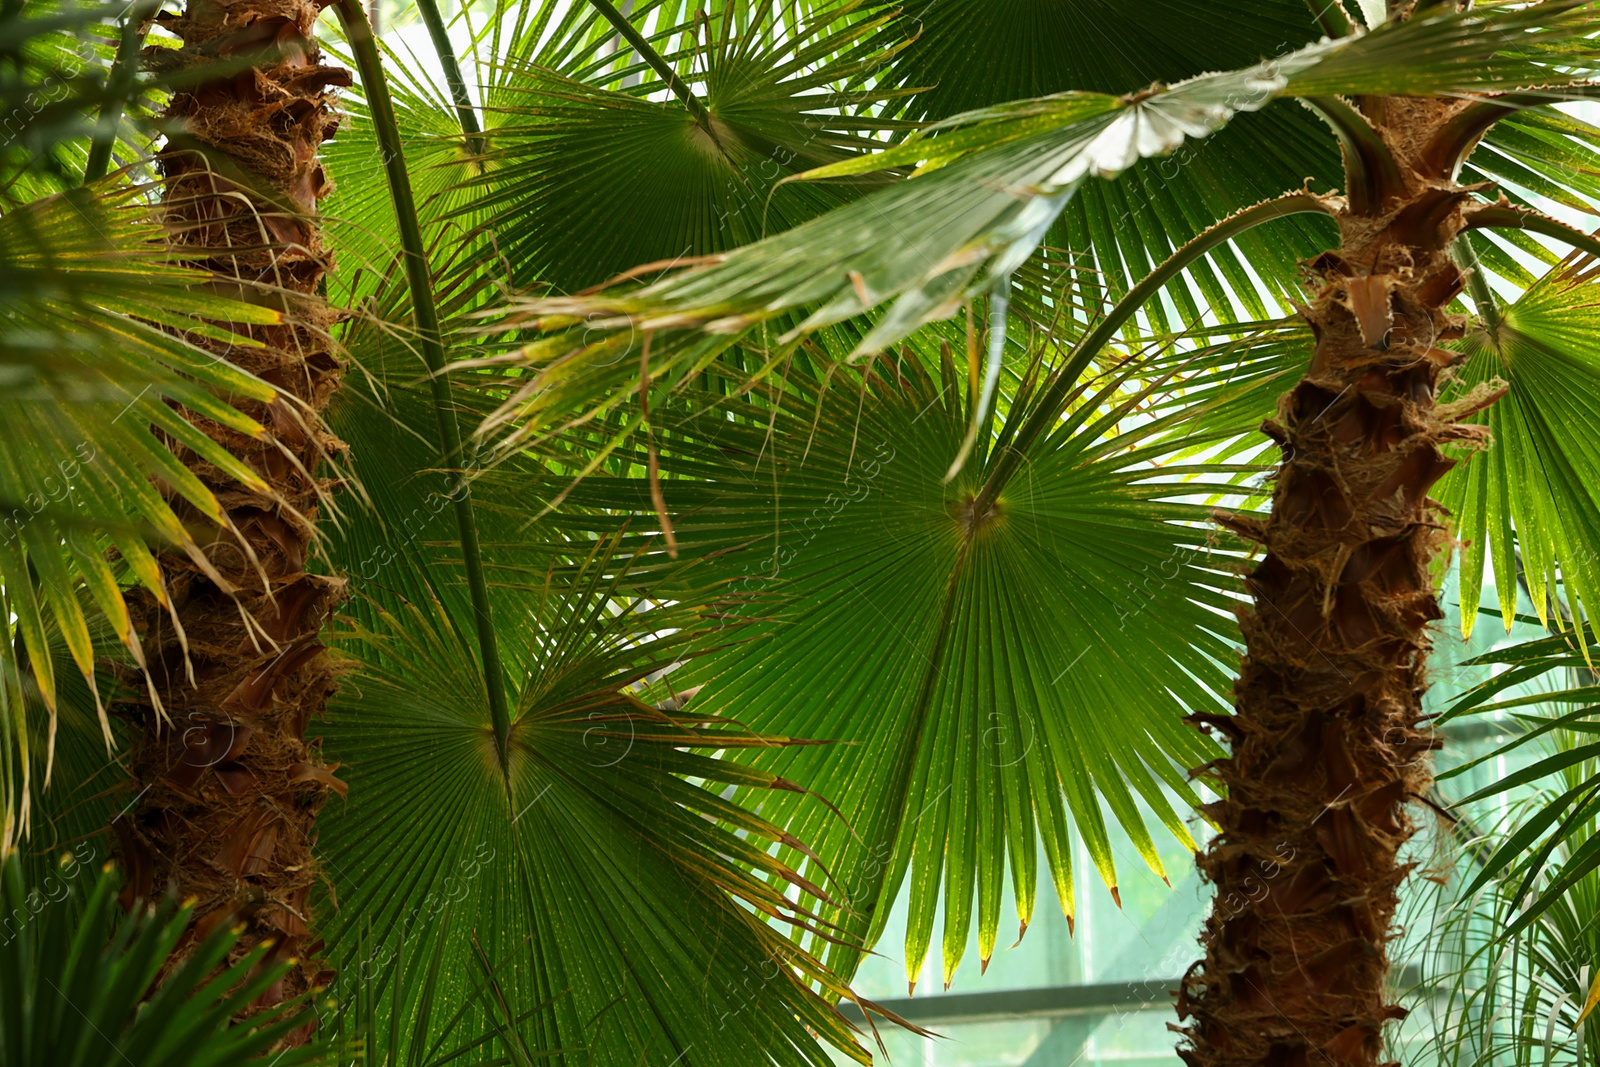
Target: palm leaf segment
x: 1551, y: 846
x: 1002, y: 177
x: 71, y: 95
x: 973, y: 55
x: 969, y: 55
x: 584, y: 173
x: 80, y: 976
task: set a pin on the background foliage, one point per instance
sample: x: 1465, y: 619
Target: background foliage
x: 776, y: 655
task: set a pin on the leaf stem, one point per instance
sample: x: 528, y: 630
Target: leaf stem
x: 1456, y: 139
x: 983, y: 408
x: 414, y: 252
x: 1483, y: 298
x: 679, y: 87
x: 1372, y: 173
x: 1331, y: 17
x: 1509, y: 217
x: 429, y: 9
x: 123, y: 71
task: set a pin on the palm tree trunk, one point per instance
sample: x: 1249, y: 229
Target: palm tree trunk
x: 1326, y: 750
x: 229, y: 788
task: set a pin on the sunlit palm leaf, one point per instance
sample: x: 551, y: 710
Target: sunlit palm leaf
x: 94, y: 393
x: 998, y: 679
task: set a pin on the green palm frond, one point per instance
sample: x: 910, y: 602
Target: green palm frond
x: 1551, y: 847
x: 1549, y: 153
x: 80, y: 980
x: 90, y: 790
x: 604, y: 873
x: 570, y: 124
x: 582, y: 181
x: 1517, y: 1001
x: 360, y: 224
x: 70, y: 95
x: 101, y: 379
x: 1002, y: 177
x: 973, y: 55
x: 1540, y: 155
x: 996, y: 672
x: 370, y: 1025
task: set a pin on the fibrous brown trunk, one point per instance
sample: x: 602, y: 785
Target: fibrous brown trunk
x: 229, y: 787
x: 1326, y: 750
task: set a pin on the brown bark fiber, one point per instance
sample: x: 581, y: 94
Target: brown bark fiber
x: 229, y: 785
x: 1326, y: 746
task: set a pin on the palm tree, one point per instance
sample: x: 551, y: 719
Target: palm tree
x: 930, y: 472
x: 106, y: 379
x: 124, y: 436
x: 229, y: 786
x: 194, y: 789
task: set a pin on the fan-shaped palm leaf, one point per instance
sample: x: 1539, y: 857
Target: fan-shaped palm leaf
x: 1003, y: 176
x: 970, y: 651
x: 581, y: 180
x: 602, y: 862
